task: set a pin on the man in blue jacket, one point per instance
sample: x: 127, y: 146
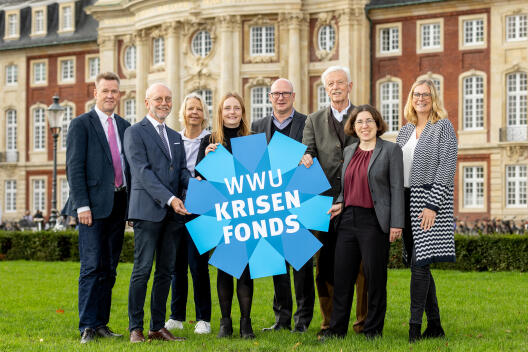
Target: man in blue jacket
x: 157, y: 162
x: 98, y: 177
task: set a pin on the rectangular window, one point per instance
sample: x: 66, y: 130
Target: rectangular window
x: 262, y: 40
x: 10, y: 195
x: 474, y: 32
x: 390, y: 104
x: 430, y: 33
x: 260, y: 105
x: 516, y: 102
x: 39, y: 130
x: 11, y: 130
x: 64, y: 192
x: 159, y: 51
x: 207, y: 96
x: 516, y: 27
x: 12, y: 25
x: 39, y: 72
x: 474, y: 187
x: 66, y: 119
x: 67, y: 18
x: 516, y: 186
x: 67, y: 70
x: 323, y: 100
x: 11, y: 74
x: 38, y: 21
x: 39, y: 195
x: 389, y: 40
x: 93, y: 67
x: 130, y: 110
x: 473, y: 103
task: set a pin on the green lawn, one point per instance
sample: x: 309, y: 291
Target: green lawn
x: 480, y: 312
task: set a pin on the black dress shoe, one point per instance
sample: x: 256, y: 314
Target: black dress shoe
x: 88, y: 335
x: 105, y: 331
x: 246, y: 330
x: 226, y: 328
x: 326, y: 334
x: 277, y: 327
x: 300, y: 329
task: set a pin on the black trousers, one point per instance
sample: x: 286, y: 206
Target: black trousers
x: 198, y: 264
x: 303, y: 282
x: 99, y: 249
x: 159, y: 240
x: 225, y: 288
x: 423, y: 288
x: 359, y: 237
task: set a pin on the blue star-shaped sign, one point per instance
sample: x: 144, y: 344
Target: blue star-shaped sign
x: 257, y: 205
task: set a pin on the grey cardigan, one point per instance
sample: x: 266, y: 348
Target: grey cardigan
x: 385, y: 180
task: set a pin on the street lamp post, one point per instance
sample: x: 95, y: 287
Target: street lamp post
x: 55, y: 112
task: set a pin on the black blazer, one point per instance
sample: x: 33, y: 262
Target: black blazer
x: 89, y: 165
x: 385, y: 179
x: 263, y: 125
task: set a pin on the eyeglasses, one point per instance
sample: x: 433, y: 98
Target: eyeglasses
x: 276, y: 95
x: 339, y: 83
x: 422, y: 95
x: 159, y: 100
x: 367, y: 121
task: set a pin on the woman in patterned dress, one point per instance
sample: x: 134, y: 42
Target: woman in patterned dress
x: 429, y: 147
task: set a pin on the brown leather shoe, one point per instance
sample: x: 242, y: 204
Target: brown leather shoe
x: 163, y: 334
x: 137, y: 336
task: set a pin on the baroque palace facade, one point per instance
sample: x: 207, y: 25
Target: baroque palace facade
x: 213, y: 47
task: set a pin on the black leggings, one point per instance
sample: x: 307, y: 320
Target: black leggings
x: 224, y: 285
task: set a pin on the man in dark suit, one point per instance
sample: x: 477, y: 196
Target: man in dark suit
x: 286, y: 120
x: 325, y: 137
x: 98, y: 176
x: 157, y: 162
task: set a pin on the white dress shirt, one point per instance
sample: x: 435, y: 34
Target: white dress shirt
x: 340, y: 114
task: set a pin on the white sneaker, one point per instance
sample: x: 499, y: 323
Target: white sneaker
x: 172, y: 324
x: 202, y: 327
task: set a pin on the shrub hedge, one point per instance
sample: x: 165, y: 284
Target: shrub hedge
x: 497, y: 252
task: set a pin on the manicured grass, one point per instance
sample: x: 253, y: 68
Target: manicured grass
x: 480, y: 312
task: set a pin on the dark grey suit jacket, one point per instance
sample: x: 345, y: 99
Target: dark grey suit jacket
x: 263, y: 125
x: 385, y: 179
x: 155, y: 176
x: 89, y: 165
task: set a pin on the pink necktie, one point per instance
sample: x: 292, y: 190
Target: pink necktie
x: 116, y: 159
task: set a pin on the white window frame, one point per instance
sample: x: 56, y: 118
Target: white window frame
x: 463, y: 22
x: 42, y: 78
x: 11, y: 72
x: 420, y: 27
x: 38, y: 194
x: 326, y: 37
x: 91, y: 72
x: 473, y: 186
x: 395, y: 44
x: 66, y: 71
x: 516, y: 27
x: 258, y: 41
x: 66, y: 24
x: 39, y: 25
x: 260, y: 104
x: 38, y: 116
x: 516, y: 184
x: 201, y: 43
x: 390, y: 108
x: 69, y: 114
x: 516, y: 99
x: 323, y: 100
x: 474, y: 99
x: 11, y: 130
x: 10, y: 195
x: 130, y: 58
x: 130, y: 109
x: 158, y: 51
x: 207, y: 97
x: 438, y: 81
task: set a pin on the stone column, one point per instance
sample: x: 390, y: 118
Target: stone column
x: 142, y: 70
x: 294, y: 53
x: 173, y: 71
x: 226, y: 55
x: 107, y: 53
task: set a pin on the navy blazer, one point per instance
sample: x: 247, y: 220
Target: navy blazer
x: 89, y: 165
x: 263, y: 125
x: 385, y: 180
x: 155, y: 176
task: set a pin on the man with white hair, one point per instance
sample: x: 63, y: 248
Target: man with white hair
x: 159, y: 172
x: 286, y: 120
x: 325, y: 137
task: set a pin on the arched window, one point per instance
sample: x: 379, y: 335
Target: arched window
x: 201, y: 43
x: 326, y: 37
